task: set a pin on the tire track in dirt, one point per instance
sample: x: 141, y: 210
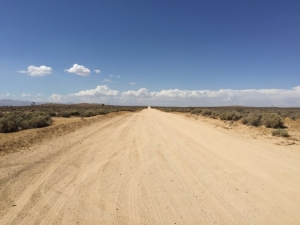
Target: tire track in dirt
x: 151, y: 168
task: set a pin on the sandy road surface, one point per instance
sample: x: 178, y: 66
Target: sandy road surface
x: 151, y: 168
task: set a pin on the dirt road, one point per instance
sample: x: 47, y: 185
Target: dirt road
x: 151, y: 167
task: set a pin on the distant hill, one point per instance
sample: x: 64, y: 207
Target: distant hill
x: 8, y: 102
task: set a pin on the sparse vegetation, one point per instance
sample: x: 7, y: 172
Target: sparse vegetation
x: 196, y: 111
x: 270, y: 117
x: 252, y: 119
x: 64, y: 114
x: 272, y: 120
x: 14, y: 119
x: 206, y: 112
x: 88, y: 113
x: 280, y: 133
x: 231, y: 115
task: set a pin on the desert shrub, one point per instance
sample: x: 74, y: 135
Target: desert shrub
x: 215, y: 113
x: 196, y: 111
x: 240, y: 110
x: 252, y: 119
x: 223, y: 116
x: 280, y: 133
x: 52, y: 114
x: 87, y: 114
x: 65, y: 114
x: 294, y: 116
x: 184, y: 110
x: 106, y: 111
x: 213, y: 116
x: 102, y: 112
x: 37, y: 122
x: 206, y: 112
x: 17, y: 121
x: 233, y: 115
x: 283, y: 114
x: 75, y: 113
x: 272, y: 120
x: 127, y: 109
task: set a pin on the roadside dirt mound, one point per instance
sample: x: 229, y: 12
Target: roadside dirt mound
x: 251, y: 132
x: 11, y: 142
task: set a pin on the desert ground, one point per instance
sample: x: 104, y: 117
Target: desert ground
x: 149, y: 167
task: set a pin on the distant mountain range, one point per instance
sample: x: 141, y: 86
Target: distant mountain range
x: 8, y: 102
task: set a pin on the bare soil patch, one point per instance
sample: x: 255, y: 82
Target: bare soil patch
x: 261, y: 132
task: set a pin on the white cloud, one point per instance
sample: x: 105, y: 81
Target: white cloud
x: 6, y: 95
x: 132, y: 83
x: 247, y: 97
x: 177, y: 97
x: 23, y: 95
x: 56, y: 98
x: 142, y: 92
x: 117, y: 76
x: 107, y: 80
x: 100, y: 94
x: 79, y: 70
x: 40, y: 94
x: 101, y: 90
x: 97, y: 71
x: 296, y: 88
x: 37, y: 71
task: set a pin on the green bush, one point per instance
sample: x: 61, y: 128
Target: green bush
x: 196, y: 111
x: 52, y: 114
x: 183, y: 110
x: 272, y: 120
x: 12, y: 122
x: 206, y: 112
x: 75, y: 113
x: 65, y: 114
x: 213, y: 116
x: 233, y: 115
x: 102, y: 112
x: 280, y: 133
x: 294, y: 115
x: 87, y: 114
x: 252, y: 119
x: 215, y: 113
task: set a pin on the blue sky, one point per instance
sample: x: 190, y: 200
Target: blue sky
x: 183, y: 53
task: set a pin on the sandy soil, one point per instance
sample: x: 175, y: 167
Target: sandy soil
x: 151, y: 167
x: 12, y: 142
x: 251, y: 132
